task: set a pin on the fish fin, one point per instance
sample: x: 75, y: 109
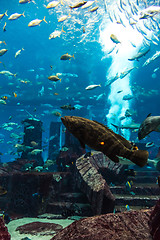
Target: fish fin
x: 115, y: 126
x: 62, y: 30
x: 82, y: 144
x: 114, y: 158
x: 148, y: 115
x: 44, y: 19
x: 139, y: 157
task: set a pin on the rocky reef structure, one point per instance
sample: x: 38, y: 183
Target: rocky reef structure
x: 39, y: 228
x: 4, y: 234
x: 128, y: 225
x: 91, y: 182
x: 154, y: 222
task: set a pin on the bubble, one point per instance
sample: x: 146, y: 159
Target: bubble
x: 154, y: 75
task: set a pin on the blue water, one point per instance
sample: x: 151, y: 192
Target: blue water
x: 89, y: 64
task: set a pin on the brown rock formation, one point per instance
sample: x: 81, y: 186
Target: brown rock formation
x: 132, y: 225
x: 91, y: 182
x: 39, y: 228
x: 154, y: 222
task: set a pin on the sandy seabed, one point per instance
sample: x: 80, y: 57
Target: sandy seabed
x: 15, y: 235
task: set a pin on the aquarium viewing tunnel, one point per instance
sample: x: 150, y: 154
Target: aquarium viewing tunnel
x: 80, y: 121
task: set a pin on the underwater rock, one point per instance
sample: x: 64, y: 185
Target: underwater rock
x: 154, y: 222
x: 91, y: 182
x: 4, y: 234
x: 127, y: 225
x: 39, y: 228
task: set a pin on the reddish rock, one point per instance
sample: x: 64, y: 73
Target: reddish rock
x: 4, y: 234
x: 92, y: 184
x: 154, y: 222
x: 132, y: 225
x: 41, y: 228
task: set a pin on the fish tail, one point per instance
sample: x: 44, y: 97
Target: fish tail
x: 69, y: 15
x: 73, y: 56
x: 6, y: 13
x: 139, y: 157
x: 4, y: 42
x: 15, y: 74
x: 23, y: 14
x: 115, y: 126
x: 60, y: 79
x: 61, y: 2
x: 44, y: 19
x: 62, y: 30
x: 71, y: 7
x: 22, y: 49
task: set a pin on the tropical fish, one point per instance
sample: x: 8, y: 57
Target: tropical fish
x: 64, y: 17
x: 26, y: 1
x: 67, y: 107
x: 151, y: 59
x: 93, y: 9
x: 149, y: 144
x: 90, y: 87
x: 66, y: 57
x: 54, y: 78
x: 36, y: 151
x: 4, y: 97
x: 15, y: 16
x: 3, y: 14
x: 93, y: 133
x: 3, y: 42
x: 2, y: 101
x: 4, y: 27
x: 139, y: 54
x: 126, y: 72
x: 132, y: 125
x: 114, y: 39
x: 88, y: 4
x: 53, y: 4
x: 150, y: 124
x: 3, y: 51
x: 127, y: 97
x: 149, y: 12
x: 56, y: 33
x: 7, y: 73
x: 111, y: 79
x: 18, y: 52
x: 56, y: 113
x: 34, y: 144
x: 77, y: 5
x: 36, y: 22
